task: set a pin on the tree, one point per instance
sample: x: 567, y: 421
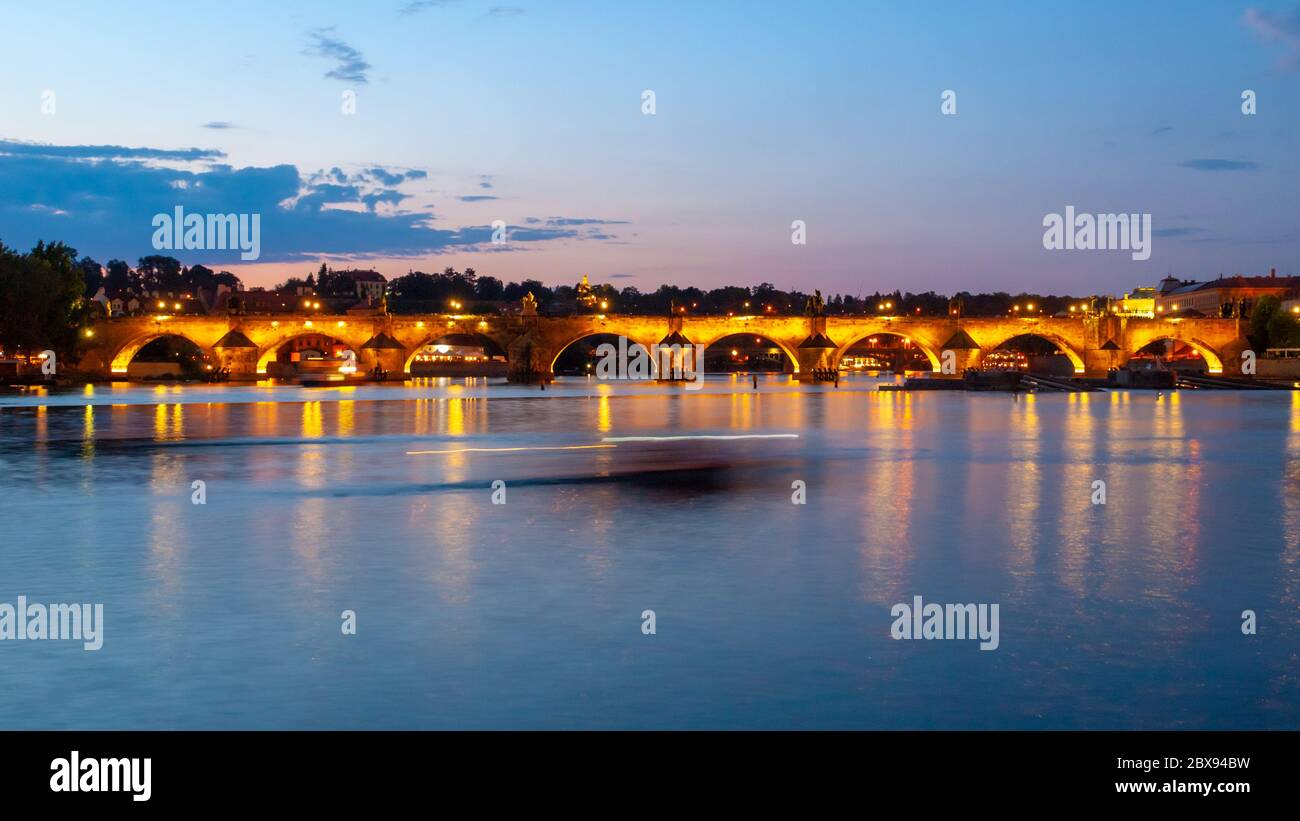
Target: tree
x: 196, y: 277
x: 121, y: 279
x: 92, y: 275
x: 42, y: 299
x: 292, y: 284
x: 335, y: 283
x: 489, y: 288
x: 1261, y: 316
x: 160, y: 274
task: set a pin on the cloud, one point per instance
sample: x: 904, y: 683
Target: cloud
x: 420, y: 5
x: 505, y: 11
x: 1281, y: 29
x: 620, y: 276
x: 105, y: 208
x: 1177, y: 232
x: 106, y: 152
x: 351, y: 66
x: 571, y: 221
x: 218, y: 125
x: 1164, y: 129
x: 387, y: 196
x: 477, y: 198
x: 1218, y: 165
x: 387, y: 177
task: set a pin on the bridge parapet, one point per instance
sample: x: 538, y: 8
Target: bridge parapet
x: 532, y: 344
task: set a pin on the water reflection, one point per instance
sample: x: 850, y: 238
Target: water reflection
x: 1115, y: 615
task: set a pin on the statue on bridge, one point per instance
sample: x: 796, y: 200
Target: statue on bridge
x: 530, y: 304
x: 816, y: 306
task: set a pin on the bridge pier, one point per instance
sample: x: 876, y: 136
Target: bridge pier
x: 384, y: 352
x: 528, y: 361
x: 962, y: 358
x: 236, y: 353
x: 817, y: 353
x: 1098, y: 363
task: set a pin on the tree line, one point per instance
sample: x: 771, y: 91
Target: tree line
x: 419, y: 292
x: 45, y: 297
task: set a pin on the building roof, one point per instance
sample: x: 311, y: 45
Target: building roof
x: 382, y: 340
x: 961, y: 341
x: 1185, y: 288
x: 234, y: 339
x: 818, y: 341
x: 1169, y: 286
x: 1239, y: 281
x: 1171, y: 283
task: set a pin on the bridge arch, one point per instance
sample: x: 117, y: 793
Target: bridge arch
x: 1061, y: 344
x: 490, y: 346
x: 272, y: 349
x: 590, y: 332
x: 121, y: 359
x: 930, y: 355
x: 1213, y: 361
x: 790, y: 352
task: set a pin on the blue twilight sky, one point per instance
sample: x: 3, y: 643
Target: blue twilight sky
x: 827, y: 112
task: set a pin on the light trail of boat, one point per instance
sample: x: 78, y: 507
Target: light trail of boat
x: 508, y: 450
x: 689, y: 438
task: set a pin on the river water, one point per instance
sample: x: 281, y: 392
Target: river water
x: 624, y: 498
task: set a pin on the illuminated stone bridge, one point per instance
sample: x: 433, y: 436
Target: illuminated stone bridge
x: 246, y: 345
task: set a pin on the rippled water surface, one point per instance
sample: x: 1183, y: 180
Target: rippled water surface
x: 768, y: 614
